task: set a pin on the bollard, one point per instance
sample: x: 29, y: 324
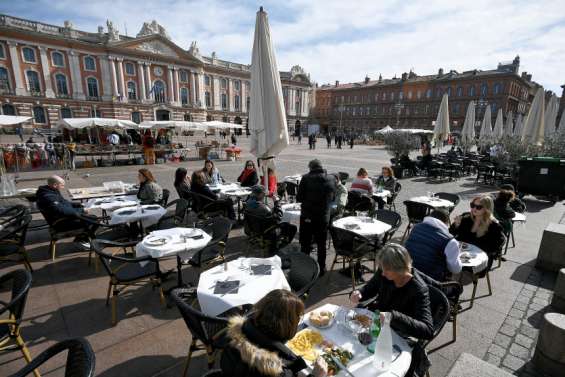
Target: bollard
x: 549, y: 356
x: 558, y: 301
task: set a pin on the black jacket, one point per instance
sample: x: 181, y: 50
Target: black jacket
x: 251, y: 353
x: 203, y: 190
x: 54, y: 207
x: 408, y: 305
x: 316, y: 193
x: 183, y: 190
x: 491, y: 242
x: 251, y: 180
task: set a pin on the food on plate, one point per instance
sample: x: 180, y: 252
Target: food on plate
x: 304, y: 343
x: 342, y: 355
x: 321, y: 318
x: 364, y: 320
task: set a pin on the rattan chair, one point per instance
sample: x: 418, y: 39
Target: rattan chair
x: 391, y: 201
x: 259, y: 231
x: 303, y: 273
x: 391, y: 218
x: 453, y: 198
x: 206, y: 207
x: 452, y: 290
x: 175, y: 219
x: 357, y: 202
x: 440, y: 314
x: 15, y: 222
x: 416, y: 212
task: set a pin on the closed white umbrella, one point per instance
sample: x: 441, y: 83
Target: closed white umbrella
x: 267, y: 117
x: 498, y: 131
x: 485, y: 134
x: 551, y: 116
x: 561, y: 128
x: 534, y: 125
x: 509, y: 126
x: 385, y: 130
x: 468, y: 131
x: 519, y: 126
x: 441, y: 129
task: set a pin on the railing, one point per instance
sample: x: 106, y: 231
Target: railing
x: 92, y: 98
x: 63, y: 96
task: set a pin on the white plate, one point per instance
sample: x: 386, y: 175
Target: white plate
x: 157, y: 240
x: 189, y: 233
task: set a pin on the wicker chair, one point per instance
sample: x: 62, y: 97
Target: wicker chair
x: 416, y: 212
x: 357, y: 202
x: 259, y: 229
x: 303, y: 273
x: 453, y: 198
x: 391, y: 218
x: 392, y: 199
x: 81, y: 359
x: 440, y: 314
x: 206, y: 207
x: 15, y: 224
x: 175, y: 219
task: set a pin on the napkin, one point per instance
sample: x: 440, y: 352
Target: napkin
x: 351, y: 226
x: 225, y: 287
x: 261, y: 269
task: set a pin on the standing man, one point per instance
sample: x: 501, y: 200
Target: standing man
x: 20, y: 133
x: 316, y: 193
x: 329, y: 140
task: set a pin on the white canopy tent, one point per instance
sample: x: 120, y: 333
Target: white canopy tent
x: 551, y: 116
x: 498, y: 131
x: 534, y: 125
x: 468, y: 131
x: 485, y: 134
x: 414, y: 130
x: 81, y: 123
x: 509, y: 126
x: 220, y: 125
x: 441, y: 129
x: 10, y: 120
x: 180, y: 125
x: 384, y: 130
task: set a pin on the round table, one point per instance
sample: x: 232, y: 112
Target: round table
x: 362, y: 225
x: 433, y: 202
x: 146, y: 214
x: 293, y: 178
x: 291, y: 212
x: 174, y: 241
x: 233, y: 190
x: 381, y: 193
x: 519, y: 217
x: 477, y: 259
x: 112, y: 203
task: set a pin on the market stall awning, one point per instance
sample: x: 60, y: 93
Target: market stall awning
x: 414, y: 130
x: 9, y: 120
x: 385, y: 130
x: 80, y: 123
x: 221, y: 125
x: 181, y: 125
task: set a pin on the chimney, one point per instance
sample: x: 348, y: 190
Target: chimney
x: 404, y: 76
x: 336, y: 83
x: 380, y: 78
x: 440, y: 72
x: 367, y: 79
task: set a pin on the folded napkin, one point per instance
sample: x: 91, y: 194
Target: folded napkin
x: 225, y: 287
x: 261, y: 269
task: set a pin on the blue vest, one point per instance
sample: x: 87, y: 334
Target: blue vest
x: 426, y: 246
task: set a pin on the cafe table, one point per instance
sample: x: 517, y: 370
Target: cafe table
x: 291, y: 213
x: 147, y: 215
x: 170, y: 242
x: 87, y: 193
x: 233, y: 190
x: 433, y: 202
x: 363, y: 225
x: 239, y: 282
x: 362, y: 363
x: 382, y: 193
x: 472, y: 257
x: 112, y: 203
x: 519, y: 218
x: 296, y: 178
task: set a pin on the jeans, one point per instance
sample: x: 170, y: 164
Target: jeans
x: 318, y: 229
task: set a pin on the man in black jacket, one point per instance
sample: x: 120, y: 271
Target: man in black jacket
x: 316, y: 193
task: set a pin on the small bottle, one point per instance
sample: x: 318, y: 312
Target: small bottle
x: 375, y: 330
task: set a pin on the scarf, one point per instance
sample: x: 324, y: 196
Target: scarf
x: 246, y: 173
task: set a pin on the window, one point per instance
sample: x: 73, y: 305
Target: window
x: 401, y: 95
x: 130, y: 69
x: 497, y: 88
x: 449, y: 92
x: 33, y: 82
x: 392, y: 96
x: 225, y: 119
x: 484, y: 90
x: 132, y: 90
x: 472, y: 91
x: 61, y: 83
x: 493, y: 108
x: 89, y: 63
x: 4, y: 80
x: 207, y: 80
x: 429, y: 93
x: 57, y: 59
x: 439, y: 92
x: 39, y: 115
x: 248, y: 102
x: 456, y: 109
x: 66, y: 113
x: 92, y: 87
x: 184, y: 96
x: 29, y: 54
x: 159, y: 91
x: 8, y: 109
x: 95, y: 113
x: 187, y: 118
x: 136, y: 117
x: 224, y: 101
x: 410, y: 95
x: 207, y: 99
x: 236, y: 101
x: 2, y: 53
x: 224, y: 83
x: 236, y: 84
x: 183, y: 76
x: 419, y: 94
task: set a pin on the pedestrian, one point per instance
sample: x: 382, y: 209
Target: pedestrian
x: 339, y: 141
x: 233, y: 139
x: 71, y: 147
x: 351, y: 142
x: 310, y: 142
x: 20, y: 133
x: 316, y: 192
x: 299, y: 138
x: 314, y: 141
x: 329, y: 140
x: 148, y: 148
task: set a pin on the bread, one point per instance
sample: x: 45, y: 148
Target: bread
x: 321, y: 318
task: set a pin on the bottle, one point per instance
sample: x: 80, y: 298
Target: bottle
x: 375, y: 330
x: 383, y: 347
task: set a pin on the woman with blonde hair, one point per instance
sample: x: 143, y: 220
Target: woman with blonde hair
x: 480, y: 228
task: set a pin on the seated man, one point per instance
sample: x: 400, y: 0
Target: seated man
x: 433, y: 249
x: 256, y: 207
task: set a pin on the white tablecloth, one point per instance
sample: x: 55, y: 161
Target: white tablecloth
x: 519, y: 217
x: 112, y: 203
x: 174, y: 244
x: 479, y: 259
x: 231, y: 189
x: 366, y: 226
x: 293, y: 178
x: 291, y: 213
x: 251, y: 289
x: 362, y: 363
x: 435, y: 202
x: 381, y: 194
x: 142, y: 213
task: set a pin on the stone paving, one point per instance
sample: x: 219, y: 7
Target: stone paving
x: 67, y: 297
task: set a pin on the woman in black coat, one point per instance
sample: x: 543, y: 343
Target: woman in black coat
x: 182, y: 183
x: 248, y: 176
x: 199, y: 186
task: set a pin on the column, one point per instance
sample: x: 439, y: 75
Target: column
x: 76, y: 76
x: 242, y: 97
x: 115, y: 93
x: 21, y: 88
x: 306, y: 108
x: 171, y: 84
x: 193, y: 93
x: 123, y: 90
x: 201, y: 91
x: 176, y: 79
x: 49, y: 93
x: 216, y: 90
x: 230, y: 95
x: 291, y: 99
x: 150, y: 94
x: 142, y: 95
x: 106, y: 78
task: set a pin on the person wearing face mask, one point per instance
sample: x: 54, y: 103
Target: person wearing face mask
x: 385, y: 181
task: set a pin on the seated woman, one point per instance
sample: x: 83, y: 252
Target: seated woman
x: 480, y: 228
x: 211, y: 174
x: 400, y: 290
x: 182, y: 183
x: 385, y: 181
x: 516, y: 204
x: 362, y: 183
x: 257, y: 343
x: 340, y: 199
x: 502, y: 210
x: 198, y: 186
x: 149, y: 191
x: 272, y: 182
x: 248, y: 176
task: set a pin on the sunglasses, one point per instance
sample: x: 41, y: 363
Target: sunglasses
x: 478, y: 207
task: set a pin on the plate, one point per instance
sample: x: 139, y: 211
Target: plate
x: 323, y: 312
x: 189, y: 233
x: 354, y: 325
x: 157, y: 240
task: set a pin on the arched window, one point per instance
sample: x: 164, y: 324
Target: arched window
x: 497, y: 88
x: 132, y: 90
x: 429, y: 93
x: 484, y: 90
x: 224, y: 83
x: 183, y: 75
x: 236, y: 102
x: 29, y: 54
x: 89, y: 63
x: 8, y: 109
x: 4, y: 81
x: 61, y: 84
x: 207, y: 99
x: 448, y: 92
x: 207, y: 80
x: 66, y: 113
x: 57, y: 59
x: 187, y: 117
x: 33, y: 82
x: 472, y: 91
x: 39, y: 115
x: 237, y: 84
x: 459, y: 91
x: 136, y: 117
x: 92, y: 87
x: 130, y: 69
x: 224, y: 101
x: 400, y: 95
x: 184, y: 96
x: 159, y: 90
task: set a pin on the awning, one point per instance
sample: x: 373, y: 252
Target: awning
x: 385, y: 130
x: 221, y: 125
x: 9, y: 120
x: 80, y: 123
x: 181, y: 125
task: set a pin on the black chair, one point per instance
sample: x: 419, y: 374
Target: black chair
x: 352, y: 248
x: 125, y: 271
x: 436, y: 170
x: 440, y: 314
x: 452, y: 290
x: 175, y: 219
x: 291, y: 190
x: 453, y: 198
x: 416, y: 212
x: 391, y: 200
x: 303, y: 273
x: 13, y: 235
x: 207, y: 330
x: 259, y: 231
x: 343, y: 177
x: 281, y: 189
x: 452, y: 170
x: 206, y: 207
x: 10, y: 337
x: 81, y: 359
x: 357, y: 202
x: 164, y: 198
x: 485, y: 172
x: 391, y: 218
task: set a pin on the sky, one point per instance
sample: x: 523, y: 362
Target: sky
x: 344, y: 40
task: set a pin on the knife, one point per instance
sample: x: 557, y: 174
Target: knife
x: 341, y: 366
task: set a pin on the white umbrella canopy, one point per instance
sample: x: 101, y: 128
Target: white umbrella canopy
x: 385, y: 130
x: 509, y: 126
x: 181, y: 125
x: 441, y: 129
x: 519, y: 125
x: 561, y: 128
x: 468, y: 131
x: 534, y: 125
x: 485, y: 134
x: 551, y: 116
x: 10, y: 120
x: 80, y: 123
x: 498, y: 131
x: 220, y: 125
x: 267, y: 117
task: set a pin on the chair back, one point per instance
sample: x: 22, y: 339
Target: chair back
x: 343, y: 176
x: 181, y: 208
x: 347, y: 243
x: 15, y: 229
x: 108, y: 259
x: 200, y: 325
x: 21, y: 283
x: 440, y: 310
x: 453, y: 198
x: 218, y: 227
x: 358, y: 202
x: 391, y: 218
x: 281, y: 189
x: 396, y: 191
x: 416, y: 211
x: 303, y: 273
x: 165, y: 198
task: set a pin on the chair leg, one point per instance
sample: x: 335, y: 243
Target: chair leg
x: 109, y: 291
x: 188, y: 357
x: 352, y: 268
x: 211, y: 357
x: 454, y: 327
x: 488, y: 284
x: 512, y: 235
x: 52, y: 246
x: 406, y: 231
x: 474, y: 292
x: 115, y: 307
x: 27, y: 264
x: 25, y: 352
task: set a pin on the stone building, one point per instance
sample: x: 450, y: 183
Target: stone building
x: 48, y: 72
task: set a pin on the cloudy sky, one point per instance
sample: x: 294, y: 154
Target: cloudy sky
x: 344, y: 39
